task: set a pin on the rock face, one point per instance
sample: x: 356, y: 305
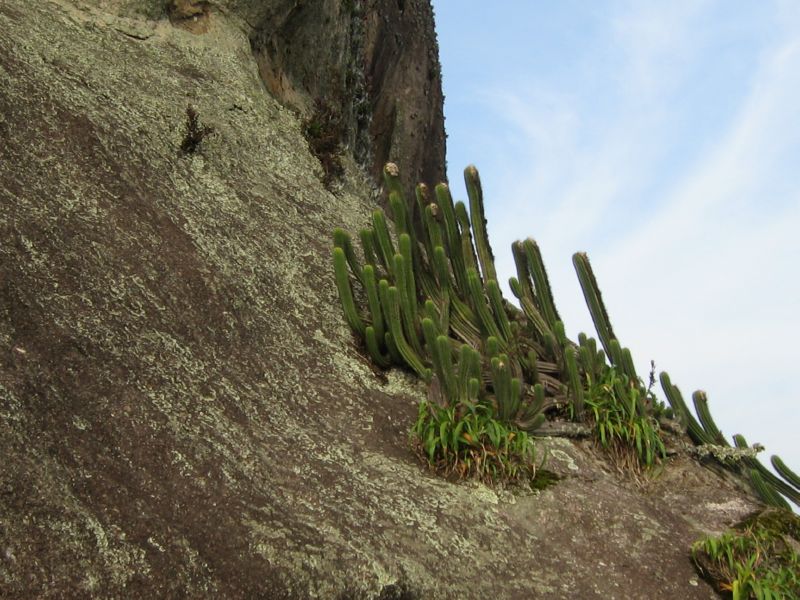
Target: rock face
x: 183, y: 412
x: 375, y: 61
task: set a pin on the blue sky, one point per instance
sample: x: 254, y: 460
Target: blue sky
x: 663, y: 138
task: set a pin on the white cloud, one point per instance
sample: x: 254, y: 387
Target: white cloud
x: 719, y: 262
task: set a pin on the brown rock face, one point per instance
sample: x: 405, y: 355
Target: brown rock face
x: 377, y: 61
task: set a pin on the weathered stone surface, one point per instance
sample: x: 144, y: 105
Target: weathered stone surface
x: 376, y: 60
x: 183, y: 412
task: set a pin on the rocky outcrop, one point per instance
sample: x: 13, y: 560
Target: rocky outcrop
x: 376, y: 61
x: 183, y: 411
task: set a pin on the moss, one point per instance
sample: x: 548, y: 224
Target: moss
x: 544, y: 479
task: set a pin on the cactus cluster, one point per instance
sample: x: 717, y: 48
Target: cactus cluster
x: 431, y: 302
x: 703, y: 431
x: 433, y: 305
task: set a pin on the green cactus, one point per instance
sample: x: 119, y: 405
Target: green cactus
x: 765, y: 491
x: 368, y: 244
x: 373, y: 301
x: 478, y: 300
x: 453, y: 236
x: 346, y: 292
x: 544, y: 293
x: 594, y: 300
x: 373, y: 347
x: 531, y: 416
x: 627, y: 365
x: 777, y: 485
x: 701, y: 408
x: 537, y: 321
x: 475, y: 193
x: 467, y: 247
x: 407, y: 304
x: 384, y: 240
x: 790, y: 476
x: 391, y: 303
x: 469, y: 372
x: 575, y: 384
x: 498, y: 309
x: 675, y: 399
x: 341, y: 239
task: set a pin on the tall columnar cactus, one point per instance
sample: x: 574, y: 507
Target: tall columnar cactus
x: 765, y: 491
x: 682, y: 412
x: 701, y: 407
x: 426, y: 299
x: 346, y: 292
x: 575, y: 383
x: 776, y: 485
x: 706, y: 433
x: 790, y: 476
x: 594, y: 300
x: 475, y: 193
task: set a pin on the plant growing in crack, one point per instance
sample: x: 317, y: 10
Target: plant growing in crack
x: 196, y: 132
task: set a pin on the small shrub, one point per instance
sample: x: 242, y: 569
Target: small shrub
x: 195, y: 131
x: 469, y: 443
x: 756, y: 560
x: 324, y: 131
x: 630, y: 435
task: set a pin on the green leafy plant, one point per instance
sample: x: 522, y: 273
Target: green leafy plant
x: 631, y: 436
x: 468, y: 442
x: 755, y: 560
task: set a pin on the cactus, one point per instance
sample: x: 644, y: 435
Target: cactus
x: 391, y: 303
x: 777, y: 485
x: 575, y: 384
x: 594, y: 300
x: 385, y: 246
x: 373, y: 347
x: 475, y: 193
x: 368, y: 244
x: 701, y: 407
x: 790, y: 476
x: 373, y: 301
x: 467, y: 247
x: 766, y: 492
x: 478, y: 300
x: 675, y: 399
x: 346, y: 292
x: 541, y: 282
x: 452, y: 235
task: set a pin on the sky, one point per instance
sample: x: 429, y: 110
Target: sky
x: 663, y: 138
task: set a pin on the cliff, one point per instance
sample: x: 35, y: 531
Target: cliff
x: 183, y: 410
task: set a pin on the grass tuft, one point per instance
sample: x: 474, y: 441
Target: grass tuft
x: 630, y: 435
x: 758, y: 559
x: 469, y: 443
